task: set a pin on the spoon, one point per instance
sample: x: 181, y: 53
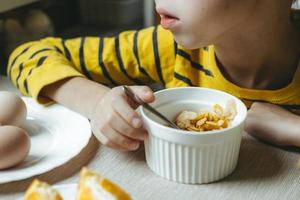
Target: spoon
x: 139, y: 101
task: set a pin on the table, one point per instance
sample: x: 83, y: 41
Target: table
x: 263, y: 172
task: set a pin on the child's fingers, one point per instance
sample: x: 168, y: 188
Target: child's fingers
x: 114, y: 137
x: 119, y: 124
x: 105, y: 141
x: 121, y: 106
x: 144, y: 92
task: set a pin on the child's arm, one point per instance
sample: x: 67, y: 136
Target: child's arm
x: 60, y: 70
x: 273, y: 124
x: 113, y: 120
x: 132, y: 58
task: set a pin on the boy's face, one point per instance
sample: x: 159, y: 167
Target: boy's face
x: 198, y: 23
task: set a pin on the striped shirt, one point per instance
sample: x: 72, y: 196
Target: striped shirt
x: 132, y: 58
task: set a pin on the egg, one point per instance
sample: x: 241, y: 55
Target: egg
x: 12, y: 109
x: 14, y: 146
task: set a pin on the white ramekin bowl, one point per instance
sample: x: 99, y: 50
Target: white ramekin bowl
x: 191, y: 157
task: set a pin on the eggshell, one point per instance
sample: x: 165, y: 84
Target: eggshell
x: 14, y: 146
x: 12, y: 109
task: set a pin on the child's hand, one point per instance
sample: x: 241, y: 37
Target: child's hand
x: 273, y: 124
x: 115, y: 122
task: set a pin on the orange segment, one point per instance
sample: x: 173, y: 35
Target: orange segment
x: 41, y: 191
x: 93, y: 186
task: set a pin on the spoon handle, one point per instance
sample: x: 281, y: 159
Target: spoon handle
x: 139, y: 101
x: 149, y: 108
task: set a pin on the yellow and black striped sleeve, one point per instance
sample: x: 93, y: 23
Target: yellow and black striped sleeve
x: 132, y: 57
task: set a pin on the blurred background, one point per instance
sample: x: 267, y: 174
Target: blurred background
x: 27, y: 20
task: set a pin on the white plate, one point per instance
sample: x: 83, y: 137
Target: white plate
x: 57, y: 134
x: 67, y: 191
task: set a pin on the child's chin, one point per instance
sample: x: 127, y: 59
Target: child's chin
x: 188, y: 44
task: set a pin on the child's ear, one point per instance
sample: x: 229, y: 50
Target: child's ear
x: 38, y: 25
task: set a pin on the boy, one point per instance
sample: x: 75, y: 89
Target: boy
x: 247, y: 48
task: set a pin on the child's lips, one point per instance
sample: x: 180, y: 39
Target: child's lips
x: 167, y: 21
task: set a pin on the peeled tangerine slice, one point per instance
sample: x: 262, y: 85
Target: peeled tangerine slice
x: 93, y: 186
x: 41, y: 191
